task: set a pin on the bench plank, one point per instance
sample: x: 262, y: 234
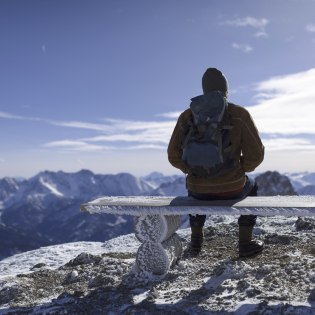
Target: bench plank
x: 261, y: 205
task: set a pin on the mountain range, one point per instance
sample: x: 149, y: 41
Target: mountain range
x: 44, y: 210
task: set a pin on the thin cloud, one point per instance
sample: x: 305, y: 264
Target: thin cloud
x: 75, y: 145
x: 117, y: 134
x: 130, y: 125
x: 249, y: 21
x: 110, y: 135
x: 145, y: 147
x: 261, y: 34
x: 5, y: 115
x: 170, y: 115
x: 285, y: 106
x: 289, y: 144
x: 284, y: 114
x: 243, y: 47
x: 80, y: 161
x: 310, y: 28
x: 81, y: 146
x: 145, y: 137
x: 69, y: 124
x: 81, y: 125
x: 12, y: 116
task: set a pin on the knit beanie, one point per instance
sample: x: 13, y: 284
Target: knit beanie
x: 214, y: 80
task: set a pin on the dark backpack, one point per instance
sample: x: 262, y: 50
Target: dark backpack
x: 207, y: 146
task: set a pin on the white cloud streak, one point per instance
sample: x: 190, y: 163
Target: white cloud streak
x: 285, y: 104
x: 11, y: 116
x: 243, y: 47
x: 5, y: 115
x: 170, y: 115
x: 289, y: 144
x: 75, y: 145
x: 81, y: 125
x: 85, y: 146
x: 249, y: 21
x: 121, y: 134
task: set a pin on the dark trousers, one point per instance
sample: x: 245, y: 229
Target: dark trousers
x: 250, y: 189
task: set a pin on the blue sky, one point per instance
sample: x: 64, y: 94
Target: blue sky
x: 99, y: 84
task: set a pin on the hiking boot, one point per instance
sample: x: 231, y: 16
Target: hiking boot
x: 251, y: 248
x: 196, y: 239
x: 196, y: 243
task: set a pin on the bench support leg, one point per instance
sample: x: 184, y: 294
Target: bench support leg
x: 161, y: 247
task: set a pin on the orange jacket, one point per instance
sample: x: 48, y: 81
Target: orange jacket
x: 247, y: 149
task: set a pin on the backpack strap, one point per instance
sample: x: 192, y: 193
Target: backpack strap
x: 223, y: 126
x: 220, y: 146
x: 190, y: 127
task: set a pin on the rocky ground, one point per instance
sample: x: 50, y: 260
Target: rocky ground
x: 279, y: 281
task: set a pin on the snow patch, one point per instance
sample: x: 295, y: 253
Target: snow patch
x: 51, y: 257
x: 51, y: 187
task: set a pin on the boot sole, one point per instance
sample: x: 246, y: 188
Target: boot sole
x: 252, y: 253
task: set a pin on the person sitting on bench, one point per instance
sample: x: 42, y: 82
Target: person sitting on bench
x: 216, y: 143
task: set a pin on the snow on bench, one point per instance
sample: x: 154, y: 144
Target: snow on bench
x: 265, y: 206
x: 158, y: 218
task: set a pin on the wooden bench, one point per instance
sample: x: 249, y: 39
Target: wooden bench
x: 158, y: 218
